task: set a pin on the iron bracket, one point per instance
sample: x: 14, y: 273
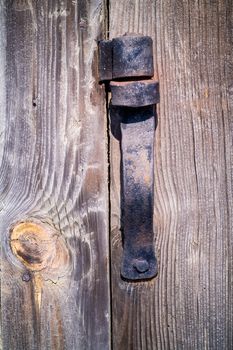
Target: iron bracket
x: 127, y: 63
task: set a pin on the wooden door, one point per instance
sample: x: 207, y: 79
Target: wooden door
x: 60, y: 200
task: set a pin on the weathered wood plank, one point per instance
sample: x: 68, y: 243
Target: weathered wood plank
x: 53, y: 177
x: 189, y: 304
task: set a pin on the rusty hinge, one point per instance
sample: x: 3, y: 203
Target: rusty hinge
x: 127, y: 62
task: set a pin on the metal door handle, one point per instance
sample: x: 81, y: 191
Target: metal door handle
x: 127, y: 62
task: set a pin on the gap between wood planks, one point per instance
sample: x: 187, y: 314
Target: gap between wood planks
x: 107, y: 16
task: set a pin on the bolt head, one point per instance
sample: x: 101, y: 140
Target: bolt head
x: 141, y: 265
x: 26, y: 277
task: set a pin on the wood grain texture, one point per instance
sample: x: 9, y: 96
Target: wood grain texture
x: 53, y: 177
x: 189, y: 304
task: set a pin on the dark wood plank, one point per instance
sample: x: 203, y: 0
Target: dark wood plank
x: 53, y: 177
x: 189, y: 304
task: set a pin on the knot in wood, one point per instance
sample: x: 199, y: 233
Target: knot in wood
x: 38, y: 247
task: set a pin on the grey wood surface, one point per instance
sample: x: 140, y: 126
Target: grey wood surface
x: 53, y: 177
x: 189, y: 304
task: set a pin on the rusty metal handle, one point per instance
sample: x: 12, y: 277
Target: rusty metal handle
x: 123, y: 59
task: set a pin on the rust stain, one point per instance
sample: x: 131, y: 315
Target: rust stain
x: 141, y: 174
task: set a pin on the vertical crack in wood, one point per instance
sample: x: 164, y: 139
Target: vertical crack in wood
x: 107, y: 111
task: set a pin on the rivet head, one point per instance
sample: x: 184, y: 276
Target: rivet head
x: 141, y: 265
x: 26, y: 277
